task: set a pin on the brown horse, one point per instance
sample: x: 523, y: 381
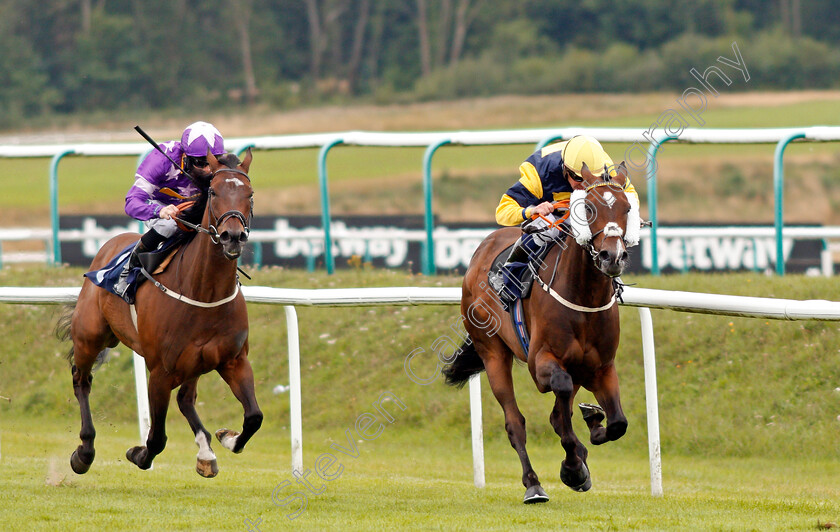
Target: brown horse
x: 573, y: 323
x: 181, y: 337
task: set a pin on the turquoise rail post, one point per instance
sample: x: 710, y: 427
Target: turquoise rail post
x: 428, y: 264
x: 548, y: 140
x: 242, y: 149
x: 54, y: 203
x: 329, y: 261
x: 778, y: 182
x: 653, y: 150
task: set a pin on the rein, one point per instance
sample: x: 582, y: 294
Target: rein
x: 590, y: 248
x: 215, y: 237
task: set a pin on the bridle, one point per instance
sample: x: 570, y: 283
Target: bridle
x: 588, y: 245
x: 212, y: 230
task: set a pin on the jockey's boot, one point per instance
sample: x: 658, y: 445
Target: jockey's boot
x: 133, y: 262
x: 521, y: 254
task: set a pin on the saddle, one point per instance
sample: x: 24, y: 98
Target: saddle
x: 518, y: 280
x: 155, y: 261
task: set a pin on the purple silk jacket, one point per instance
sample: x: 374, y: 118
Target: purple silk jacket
x: 158, y: 183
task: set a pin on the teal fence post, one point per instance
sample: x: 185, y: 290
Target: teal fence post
x: 54, y: 203
x: 242, y: 150
x: 329, y: 261
x: 429, y: 258
x: 778, y: 182
x: 653, y: 150
x: 548, y: 140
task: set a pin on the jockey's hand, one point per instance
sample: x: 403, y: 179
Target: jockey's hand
x: 545, y: 208
x: 168, y: 212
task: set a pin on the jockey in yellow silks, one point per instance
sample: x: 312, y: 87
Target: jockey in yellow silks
x: 547, y: 176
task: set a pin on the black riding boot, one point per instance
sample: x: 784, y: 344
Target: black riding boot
x: 148, y: 242
x: 519, y: 253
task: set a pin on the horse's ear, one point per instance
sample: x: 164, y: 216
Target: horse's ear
x: 586, y: 174
x: 621, y: 174
x: 246, y: 163
x: 214, y: 163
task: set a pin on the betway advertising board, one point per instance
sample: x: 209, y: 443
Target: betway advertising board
x: 397, y: 242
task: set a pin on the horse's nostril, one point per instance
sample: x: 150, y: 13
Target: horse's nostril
x: 243, y: 237
x: 224, y: 237
x: 603, y: 256
x: 624, y: 256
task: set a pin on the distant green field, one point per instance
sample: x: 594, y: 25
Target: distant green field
x: 99, y: 184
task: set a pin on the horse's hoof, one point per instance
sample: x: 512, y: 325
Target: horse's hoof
x: 206, y: 468
x: 592, y: 413
x: 133, y: 456
x: 577, y: 480
x: 228, y: 438
x: 79, y: 466
x: 535, y: 494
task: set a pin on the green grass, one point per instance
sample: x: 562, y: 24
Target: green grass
x: 401, y: 480
x: 747, y: 410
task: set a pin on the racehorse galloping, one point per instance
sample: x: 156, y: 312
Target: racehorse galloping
x: 573, y: 323
x: 180, y: 339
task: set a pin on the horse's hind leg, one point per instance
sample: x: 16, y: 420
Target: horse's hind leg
x: 206, y: 461
x: 573, y: 471
x: 238, y: 375
x: 606, y: 392
x: 90, y: 336
x: 160, y: 391
x: 499, y: 375
x: 83, y: 456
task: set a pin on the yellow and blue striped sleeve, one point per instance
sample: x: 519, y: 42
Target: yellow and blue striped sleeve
x: 526, y: 192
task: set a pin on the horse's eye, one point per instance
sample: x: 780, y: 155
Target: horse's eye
x: 212, y: 192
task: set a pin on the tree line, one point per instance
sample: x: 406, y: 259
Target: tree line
x: 79, y: 56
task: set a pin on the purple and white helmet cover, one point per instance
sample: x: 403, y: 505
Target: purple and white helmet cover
x: 200, y: 136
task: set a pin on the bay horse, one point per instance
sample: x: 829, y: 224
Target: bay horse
x: 190, y: 321
x: 573, y: 323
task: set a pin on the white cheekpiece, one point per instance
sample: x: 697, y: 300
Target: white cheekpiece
x: 578, y: 217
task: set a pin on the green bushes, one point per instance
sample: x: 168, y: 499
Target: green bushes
x: 773, y: 59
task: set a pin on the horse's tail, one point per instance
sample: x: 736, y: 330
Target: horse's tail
x: 62, y: 328
x: 466, y: 364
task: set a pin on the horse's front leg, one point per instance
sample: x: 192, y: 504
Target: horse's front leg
x: 605, y: 389
x: 573, y: 471
x: 206, y: 465
x: 238, y: 375
x: 160, y: 391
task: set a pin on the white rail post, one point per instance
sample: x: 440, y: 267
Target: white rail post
x: 295, y: 422
x: 144, y: 418
x: 477, y: 430
x: 652, y: 402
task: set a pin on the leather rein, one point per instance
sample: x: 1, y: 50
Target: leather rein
x: 589, y: 247
x: 216, y: 239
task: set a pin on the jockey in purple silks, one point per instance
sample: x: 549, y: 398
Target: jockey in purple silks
x: 159, y: 186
